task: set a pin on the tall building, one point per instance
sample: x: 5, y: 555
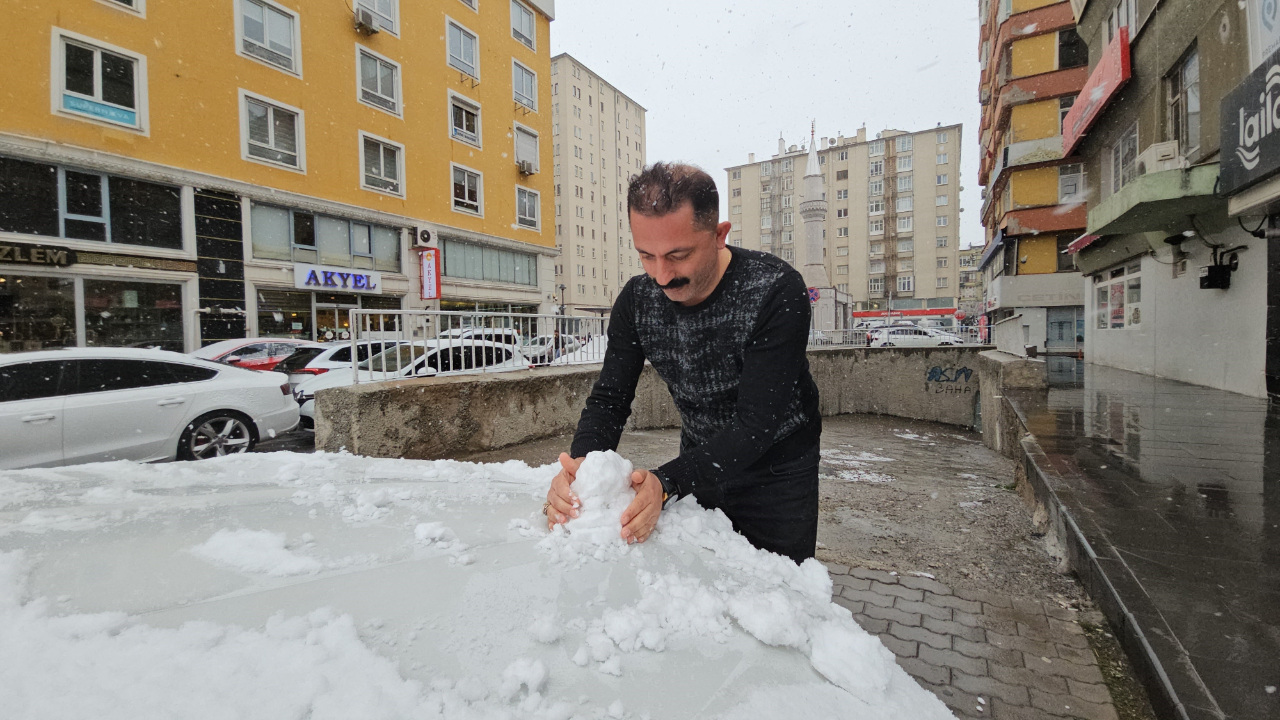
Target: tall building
x: 1033, y: 67
x: 178, y: 173
x: 883, y: 243
x: 970, y: 284
x: 599, y: 145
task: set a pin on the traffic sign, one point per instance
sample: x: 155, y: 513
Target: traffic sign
x: 814, y: 294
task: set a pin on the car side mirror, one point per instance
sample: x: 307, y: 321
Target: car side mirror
x: 231, y: 359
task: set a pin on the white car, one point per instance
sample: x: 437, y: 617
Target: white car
x: 432, y: 358
x: 82, y: 405
x: 911, y: 337
x: 542, y: 350
x: 307, y: 362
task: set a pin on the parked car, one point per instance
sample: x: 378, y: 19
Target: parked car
x: 252, y: 353
x: 911, y: 337
x: 81, y: 405
x: 945, y: 336
x: 307, y: 362
x: 506, y: 336
x: 432, y: 358
x: 541, y: 349
x: 817, y: 337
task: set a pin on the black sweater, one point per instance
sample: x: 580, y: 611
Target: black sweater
x: 735, y: 365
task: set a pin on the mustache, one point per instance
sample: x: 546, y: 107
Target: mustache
x: 675, y: 283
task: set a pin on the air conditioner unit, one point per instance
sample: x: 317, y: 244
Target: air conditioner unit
x: 526, y: 167
x: 422, y: 238
x: 1159, y: 157
x: 365, y: 21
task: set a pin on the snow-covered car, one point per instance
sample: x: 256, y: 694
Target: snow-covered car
x: 432, y: 358
x: 945, y: 337
x: 252, y: 353
x: 81, y: 405
x: 817, y: 337
x: 542, y: 350
x: 506, y: 336
x: 911, y: 337
x: 307, y: 362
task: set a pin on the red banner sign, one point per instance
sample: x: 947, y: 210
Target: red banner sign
x: 1112, y: 72
x: 431, y: 274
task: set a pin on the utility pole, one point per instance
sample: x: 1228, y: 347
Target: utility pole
x: 562, y: 289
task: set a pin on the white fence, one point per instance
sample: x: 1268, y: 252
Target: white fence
x: 864, y: 336
x: 392, y: 344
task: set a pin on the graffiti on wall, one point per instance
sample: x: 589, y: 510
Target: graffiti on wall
x: 949, y: 381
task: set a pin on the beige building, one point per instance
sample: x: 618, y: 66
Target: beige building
x: 891, y: 229
x: 598, y: 145
x: 970, y: 297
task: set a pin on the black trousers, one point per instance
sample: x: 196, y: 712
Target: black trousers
x: 774, y: 505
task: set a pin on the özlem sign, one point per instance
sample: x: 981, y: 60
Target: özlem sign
x: 323, y: 278
x: 23, y: 254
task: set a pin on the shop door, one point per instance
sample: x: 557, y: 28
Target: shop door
x: 333, y: 322
x: 1065, y: 328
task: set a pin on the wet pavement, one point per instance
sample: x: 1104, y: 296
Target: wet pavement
x: 1176, y: 488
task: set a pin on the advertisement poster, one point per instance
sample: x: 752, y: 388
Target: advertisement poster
x: 431, y: 274
x: 1117, y: 305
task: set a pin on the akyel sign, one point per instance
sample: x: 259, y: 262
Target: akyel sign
x: 1112, y: 72
x: 328, y: 279
x: 430, y: 274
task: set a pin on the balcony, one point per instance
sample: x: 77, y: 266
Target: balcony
x: 1028, y: 152
x: 1158, y: 202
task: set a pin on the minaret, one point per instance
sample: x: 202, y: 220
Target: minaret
x: 813, y: 210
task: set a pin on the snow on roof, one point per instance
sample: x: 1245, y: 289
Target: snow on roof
x: 336, y: 586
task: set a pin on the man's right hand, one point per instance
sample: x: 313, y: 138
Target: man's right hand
x: 563, y: 502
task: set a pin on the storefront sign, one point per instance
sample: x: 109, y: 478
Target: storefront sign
x: 1112, y: 72
x: 322, y: 277
x: 47, y: 255
x: 1250, y: 123
x: 431, y: 274
x: 1264, y: 30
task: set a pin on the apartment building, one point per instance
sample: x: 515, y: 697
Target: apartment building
x: 970, y: 300
x: 178, y: 173
x: 1033, y: 67
x: 598, y: 136
x: 890, y: 234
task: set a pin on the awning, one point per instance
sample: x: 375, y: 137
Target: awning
x: 1081, y: 243
x: 991, y: 250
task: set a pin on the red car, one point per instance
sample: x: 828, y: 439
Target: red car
x: 252, y: 353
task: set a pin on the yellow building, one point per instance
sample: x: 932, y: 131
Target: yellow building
x: 199, y: 160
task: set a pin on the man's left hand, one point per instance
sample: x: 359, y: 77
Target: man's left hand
x: 641, y: 516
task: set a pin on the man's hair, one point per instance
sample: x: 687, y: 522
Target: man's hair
x: 664, y: 188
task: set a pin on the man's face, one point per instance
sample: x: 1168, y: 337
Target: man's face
x: 682, y: 259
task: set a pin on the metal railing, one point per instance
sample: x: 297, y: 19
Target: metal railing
x: 396, y: 344
x: 863, y: 336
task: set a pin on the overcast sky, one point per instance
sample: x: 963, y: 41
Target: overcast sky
x: 721, y: 79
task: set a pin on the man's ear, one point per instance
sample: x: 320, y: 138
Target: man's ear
x: 722, y: 232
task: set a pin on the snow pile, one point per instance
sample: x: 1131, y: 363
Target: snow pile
x: 255, y: 551
x: 852, y: 466
x: 603, y: 486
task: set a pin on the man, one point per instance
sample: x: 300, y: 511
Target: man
x: 726, y: 329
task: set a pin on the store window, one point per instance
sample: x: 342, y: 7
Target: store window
x: 475, y: 262
x: 282, y: 234
x: 284, y: 314
x: 36, y: 313
x: 1118, y: 296
x: 122, y: 313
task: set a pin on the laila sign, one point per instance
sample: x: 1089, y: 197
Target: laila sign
x: 336, y: 279
x: 1111, y: 73
x: 1250, y: 123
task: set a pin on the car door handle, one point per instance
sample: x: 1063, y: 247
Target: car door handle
x: 171, y: 401
x: 39, y: 418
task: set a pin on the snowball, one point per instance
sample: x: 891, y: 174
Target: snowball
x: 546, y: 629
x: 255, y: 551
x: 531, y: 674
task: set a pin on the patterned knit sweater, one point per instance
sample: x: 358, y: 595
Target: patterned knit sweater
x: 735, y: 365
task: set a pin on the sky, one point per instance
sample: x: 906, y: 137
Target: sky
x: 720, y: 80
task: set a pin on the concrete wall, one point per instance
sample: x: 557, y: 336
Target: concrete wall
x: 447, y: 417
x: 1000, y: 371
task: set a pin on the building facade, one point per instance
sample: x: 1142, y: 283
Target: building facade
x: 971, y: 285
x: 885, y: 245
x: 1034, y: 64
x: 599, y: 145
x: 176, y: 174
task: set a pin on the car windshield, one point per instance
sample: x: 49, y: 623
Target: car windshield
x: 394, y: 359
x: 299, y: 359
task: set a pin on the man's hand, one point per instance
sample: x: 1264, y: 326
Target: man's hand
x: 641, y: 515
x: 564, y: 503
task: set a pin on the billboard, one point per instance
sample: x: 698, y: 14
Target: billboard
x: 1109, y: 75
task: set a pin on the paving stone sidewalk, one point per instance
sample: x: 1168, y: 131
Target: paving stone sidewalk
x: 985, y: 655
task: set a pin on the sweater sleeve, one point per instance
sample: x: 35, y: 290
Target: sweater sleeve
x: 609, y: 405
x: 773, y: 361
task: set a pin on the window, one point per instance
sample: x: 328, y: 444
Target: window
x: 842, y: 212
x: 382, y: 163
x: 822, y: 159
x: 875, y: 147
x: 472, y: 261
x: 906, y: 265
x: 875, y: 207
x: 842, y: 174
x: 737, y: 192
x: 737, y: 175
x: 463, y: 53
x: 905, y: 204
x: 942, y: 262
x: 101, y: 83
x: 765, y: 205
x: 842, y: 194
x: 268, y: 32
x: 379, y: 81
x: 842, y: 287
x: 1066, y: 263
x: 906, y: 183
x: 527, y: 147
x: 904, y: 143
x: 1184, y: 103
x: 842, y: 269
x: 941, y: 159
x: 281, y: 234
x: 877, y: 248
x: 876, y: 227
x: 1072, y: 52
x: 787, y: 200
x: 1101, y: 302
x: 877, y: 168
x: 842, y: 155
x: 875, y: 187
x: 1071, y: 183
x: 527, y: 208
x: 906, y: 283
x: 941, y: 282
x: 523, y: 26
x: 942, y: 241
x: 272, y: 133
x: 942, y: 180
x: 842, y: 232
x: 942, y: 221
x: 1064, y: 107
x: 788, y: 183
x: 766, y: 221
x: 1124, y: 14
x: 765, y: 170
x: 467, y: 190
x: 906, y: 246
x: 787, y: 165
x: 787, y: 218
x: 735, y: 210
x: 1124, y: 159
x: 941, y: 200
x: 904, y: 162
x: 875, y: 266
x: 942, y: 137
x: 842, y: 251
x: 464, y: 119
x: 525, y: 85
x: 875, y: 285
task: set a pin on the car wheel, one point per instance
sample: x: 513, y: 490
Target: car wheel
x: 887, y: 345
x: 946, y: 344
x: 222, y: 432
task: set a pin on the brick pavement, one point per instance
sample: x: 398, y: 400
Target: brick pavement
x: 985, y: 655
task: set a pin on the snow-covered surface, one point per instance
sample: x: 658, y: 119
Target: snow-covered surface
x: 333, y: 586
